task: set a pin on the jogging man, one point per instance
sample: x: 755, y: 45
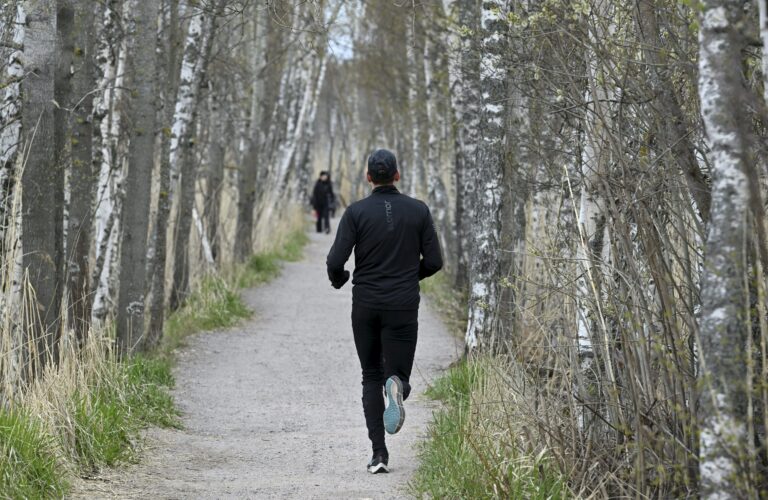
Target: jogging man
x: 396, y: 246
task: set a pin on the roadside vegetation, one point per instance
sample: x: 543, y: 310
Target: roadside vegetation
x: 478, y: 446
x: 87, y: 412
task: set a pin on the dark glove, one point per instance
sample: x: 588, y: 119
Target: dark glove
x: 339, y: 284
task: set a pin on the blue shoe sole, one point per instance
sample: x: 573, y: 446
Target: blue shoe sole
x: 394, y: 415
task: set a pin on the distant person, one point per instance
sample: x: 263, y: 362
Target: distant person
x: 395, y: 246
x: 322, y: 198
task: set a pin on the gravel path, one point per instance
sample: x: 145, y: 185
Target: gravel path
x: 272, y: 408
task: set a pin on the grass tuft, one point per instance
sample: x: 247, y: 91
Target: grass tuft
x: 103, y: 430
x: 149, y: 379
x: 292, y: 249
x: 108, y: 418
x: 260, y: 268
x: 28, y: 466
x: 214, y: 304
x: 265, y: 266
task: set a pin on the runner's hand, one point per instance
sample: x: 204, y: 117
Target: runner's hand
x: 339, y: 284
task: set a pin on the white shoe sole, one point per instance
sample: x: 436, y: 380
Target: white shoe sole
x: 378, y: 469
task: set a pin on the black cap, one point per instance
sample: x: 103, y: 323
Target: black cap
x: 382, y: 165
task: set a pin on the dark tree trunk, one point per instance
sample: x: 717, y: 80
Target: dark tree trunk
x: 134, y: 221
x: 74, y: 124
x: 168, y: 68
x: 42, y: 182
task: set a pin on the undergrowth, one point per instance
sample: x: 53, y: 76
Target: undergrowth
x: 472, y: 450
x: 28, y: 462
x: 88, y: 411
x: 93, y: 421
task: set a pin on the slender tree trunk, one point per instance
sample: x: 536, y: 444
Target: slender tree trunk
x: 215, y: 175
x: 10, y: 117
x: 724, y: 297
x: 183, y: 162
x: 134, y: 221
x: 246, y: 175
x: 437, y: 195
x: 516, y: 193
x: 42, y: 180
x: 487, y: 174
x: 464, y: 85
x: 77, y: 83
x: 168, y: 68
x: 763, y: 7
x: 414, y: 180
x: 108, y: 153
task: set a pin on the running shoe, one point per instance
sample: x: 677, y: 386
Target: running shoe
x: 378, y: 464
x: 394, y: 415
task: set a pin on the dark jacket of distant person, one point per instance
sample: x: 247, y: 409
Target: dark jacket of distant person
x: 322, y: 195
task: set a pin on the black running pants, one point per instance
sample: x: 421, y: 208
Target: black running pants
x: 386, y: 343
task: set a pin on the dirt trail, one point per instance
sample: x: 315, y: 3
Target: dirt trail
x: 272, y: 408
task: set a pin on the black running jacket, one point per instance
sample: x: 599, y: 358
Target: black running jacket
x: 395, y: 244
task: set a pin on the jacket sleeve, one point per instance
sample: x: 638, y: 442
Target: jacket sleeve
x: 342, y: 248
x: 431, y: 254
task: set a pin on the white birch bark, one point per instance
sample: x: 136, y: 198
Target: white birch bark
x: 189, y: 88
x: 464, y: 89
x: 436, y: 192
x: 204, y: 241
x: 108, y: 151
x: 13, y: 341
x: 412, y: 177
x: 487, y: 173
x: 197, y: 50
x: 10, y: 107
x: 723, y: 295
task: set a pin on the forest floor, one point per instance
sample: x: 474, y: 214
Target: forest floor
x: 271, y: 408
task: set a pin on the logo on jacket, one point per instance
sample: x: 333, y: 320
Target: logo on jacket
x: 388, y: 212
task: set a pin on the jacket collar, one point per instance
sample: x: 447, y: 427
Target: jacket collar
x: 390, y: 189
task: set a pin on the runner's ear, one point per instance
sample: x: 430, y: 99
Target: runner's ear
x: 397, y: 176
x: 368, y: 176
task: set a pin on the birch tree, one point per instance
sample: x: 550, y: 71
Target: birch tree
x: 12, y: 40
x: 487, y: 173
x: 195, y: 61
x: 464, y: 88
x: 414, y: 174
x: 168, y: 72
x: 108, y: 153
x: 723, y: 294
x: 436, y: 192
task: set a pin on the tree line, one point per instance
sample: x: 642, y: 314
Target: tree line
x: 143, y: 145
